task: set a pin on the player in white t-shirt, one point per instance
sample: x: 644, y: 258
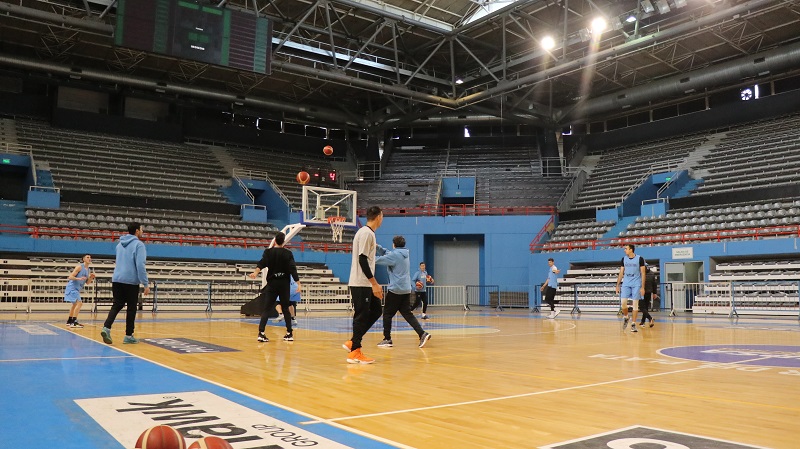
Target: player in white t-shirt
x: 364, y: 288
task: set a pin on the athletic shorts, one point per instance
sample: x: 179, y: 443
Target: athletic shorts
x: 72, y: 296
x: 631, y: 292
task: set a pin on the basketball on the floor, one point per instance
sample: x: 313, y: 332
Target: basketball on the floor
x: 211, y: 443
x: 328, y: 150
x: 303, y: 177
x: 419, y: 285
x: 161, y: 437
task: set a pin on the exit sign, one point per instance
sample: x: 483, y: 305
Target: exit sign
x: 6, y: 161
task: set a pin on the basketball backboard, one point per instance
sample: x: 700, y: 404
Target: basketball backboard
x: 322, y: 203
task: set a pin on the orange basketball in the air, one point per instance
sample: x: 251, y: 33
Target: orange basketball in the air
x: 303, y: 177
x: 161, y: 437
x: 211, y: 443
x: 328, y: 150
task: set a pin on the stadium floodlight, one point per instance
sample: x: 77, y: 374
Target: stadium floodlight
x: 599, y: 25
x: 459, y: 81
x: 647, y: 7
x: 663, y: 6
x: 631, y: 18
x: 679, y: 3
x: 548, y: 43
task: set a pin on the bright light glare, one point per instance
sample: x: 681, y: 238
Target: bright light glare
x: 631, y: 19
x: 548, y: 43
x: 459, y: 81
x: 599, y: 25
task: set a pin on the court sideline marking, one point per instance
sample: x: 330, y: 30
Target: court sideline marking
x: 515, y: 396
x: 258, y: 398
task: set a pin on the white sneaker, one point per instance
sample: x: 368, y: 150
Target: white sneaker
x: 551, y: 315
x: 279, y: 318
x: 556, y: 312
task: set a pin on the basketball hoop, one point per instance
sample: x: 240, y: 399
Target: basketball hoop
x: 337, y: 227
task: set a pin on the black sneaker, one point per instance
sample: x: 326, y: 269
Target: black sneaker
x: 424, y: 339
x: 385, y: 343
x: 625, y: 323
x: 262, y: 338
x: 288, y: 337
x: 633, y: 327
x: 77, y: 324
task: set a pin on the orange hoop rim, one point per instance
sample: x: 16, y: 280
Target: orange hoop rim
x: 336, y: 219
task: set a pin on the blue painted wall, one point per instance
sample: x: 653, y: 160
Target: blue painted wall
x: 456, y: 188
x: 278, y: 211
x: 504, y: 251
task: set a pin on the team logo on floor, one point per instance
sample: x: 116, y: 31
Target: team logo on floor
x: 198, y: 414
x: 744, y: 355
x: 186, y: 346
x: 646, y: 437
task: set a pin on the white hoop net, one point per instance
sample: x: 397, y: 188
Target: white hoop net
x: 337, y: 227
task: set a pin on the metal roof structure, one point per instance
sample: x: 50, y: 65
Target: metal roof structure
x: 375, y: 65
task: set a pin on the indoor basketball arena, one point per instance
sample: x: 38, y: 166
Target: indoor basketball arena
x: 375, y: 224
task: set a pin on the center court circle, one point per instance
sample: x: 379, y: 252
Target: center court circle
x: 745, y: 355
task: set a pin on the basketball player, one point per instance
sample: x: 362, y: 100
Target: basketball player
x: 650, y: 293
x: 420, y: 279
x: 550, y: 287
x: 80, y: 276
x: 293, y: 300
x: 631, y: 280
x: 399, y: 295
x: 280, y: 264
x: 364, y: 288
x: 129, y: 272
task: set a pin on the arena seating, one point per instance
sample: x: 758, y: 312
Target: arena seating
x: 620, y: 169
x: 160, y: 221
x: 511, y: 177
x: 753, y: 155
x: 179, y: 282
x: 281, y: 166
x: 725, y: 220
x: 409, y: 179
x: 577, y: 233
x: 759, y: 285
x: 108, y: 164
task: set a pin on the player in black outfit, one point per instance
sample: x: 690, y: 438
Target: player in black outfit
x: 280, y: 263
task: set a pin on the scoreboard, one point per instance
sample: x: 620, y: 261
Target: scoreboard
x: 200, y: 32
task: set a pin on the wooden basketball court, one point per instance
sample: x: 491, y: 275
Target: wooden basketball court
x: 485, y: 379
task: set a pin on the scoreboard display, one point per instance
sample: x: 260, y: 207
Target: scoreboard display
x: 200, y: 32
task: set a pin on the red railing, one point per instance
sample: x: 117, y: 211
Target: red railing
x: 443, y: 210
x: 683, y: 238
x: 167, y: 239
x: 549, y: 226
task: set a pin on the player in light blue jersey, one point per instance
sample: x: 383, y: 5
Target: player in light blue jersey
x: 630, y: 284
x: 79, y: 277
x: 294, y: 288
x: 550, y: 287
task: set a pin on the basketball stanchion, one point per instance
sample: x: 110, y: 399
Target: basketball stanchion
x: 337, y: 227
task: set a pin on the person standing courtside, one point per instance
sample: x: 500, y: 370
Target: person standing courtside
x: 550, y: 287
x: 399, y: 296
x: 79, y: 277
x: 129, y: 272
x: 420, y: 279
x: 280, y: 264
x: 650, y: 293
x: 630, y: 283
x: 364, y: 288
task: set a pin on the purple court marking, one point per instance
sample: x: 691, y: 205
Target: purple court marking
x: 765, y: 355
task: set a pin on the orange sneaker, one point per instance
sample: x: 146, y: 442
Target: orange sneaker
x: 357, y: 357
x: 348, y: 346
